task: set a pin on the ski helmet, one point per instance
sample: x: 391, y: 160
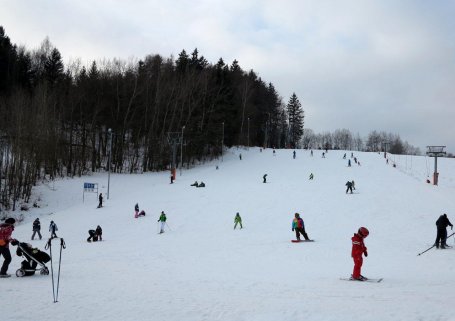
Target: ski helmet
x: 364, y: 231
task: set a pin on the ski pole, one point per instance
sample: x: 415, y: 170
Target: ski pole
x: 426, y: 250
x: 435, y: 244
x: 168, y: 227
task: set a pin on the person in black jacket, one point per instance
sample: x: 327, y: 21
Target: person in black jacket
x: 349, y: 187
x: 100, y: 198
x: 36, y: 229
x: 441, y: 235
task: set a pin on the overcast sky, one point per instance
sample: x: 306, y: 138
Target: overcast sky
x: 356, y: 64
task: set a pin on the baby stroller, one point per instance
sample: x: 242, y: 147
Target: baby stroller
x: 33, y: 258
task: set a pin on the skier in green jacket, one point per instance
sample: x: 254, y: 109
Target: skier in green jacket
x: 237, y: 220
x: 162, y: 219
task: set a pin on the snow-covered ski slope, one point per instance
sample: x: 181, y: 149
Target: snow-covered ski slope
x: 202, y: 269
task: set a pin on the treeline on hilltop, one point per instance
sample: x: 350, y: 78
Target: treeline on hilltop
x: 344, y: 139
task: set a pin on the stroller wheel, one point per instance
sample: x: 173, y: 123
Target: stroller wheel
x: 44, y: 271
x: 20, y: 273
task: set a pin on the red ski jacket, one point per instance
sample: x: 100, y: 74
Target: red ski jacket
x: 5, y: 234
x: 358, y: 248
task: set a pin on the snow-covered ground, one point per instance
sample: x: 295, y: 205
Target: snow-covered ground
x: 202, y: 269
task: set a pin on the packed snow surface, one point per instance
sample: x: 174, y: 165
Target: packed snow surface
x: 203, y: 269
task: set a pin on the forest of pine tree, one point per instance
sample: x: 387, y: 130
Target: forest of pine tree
x: 55, y: 119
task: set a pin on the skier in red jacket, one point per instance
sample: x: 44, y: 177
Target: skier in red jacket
x: 6, y: 229
x: 359, y: 248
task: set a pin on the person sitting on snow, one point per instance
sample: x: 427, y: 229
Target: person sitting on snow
x: 195, y: 184
x: 95, y: 234
x: 202, y: 184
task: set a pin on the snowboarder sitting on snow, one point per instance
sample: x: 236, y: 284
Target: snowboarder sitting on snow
x: 264, y: 178
x: 195, y: 184
x: 162, y: 219
x: 36, y: 229
x: 95, y: 234
x: 53, y: 228
x: 311, y: 176
x: 202, y: 184
x: 136, y: 210
x: 349, y: 187
x: 359, y: 249
x: 442, y: 224
x: 299, y: 227
x: 237, y: 220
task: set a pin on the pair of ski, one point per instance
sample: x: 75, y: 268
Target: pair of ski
x: 363, y: 280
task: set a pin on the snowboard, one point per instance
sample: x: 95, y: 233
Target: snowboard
x: 301, y: 241
x: 365, y: 280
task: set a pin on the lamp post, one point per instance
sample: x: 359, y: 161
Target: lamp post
x: 222, y: 142
x: 181, y: 152
x: 109, y: 131
x: 248, y: 136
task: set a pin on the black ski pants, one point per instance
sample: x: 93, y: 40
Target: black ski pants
x: 7, y: 255
x: 39, y: 234
x: 299, y: 231
x: 349, y: 189
x: 441, y: 235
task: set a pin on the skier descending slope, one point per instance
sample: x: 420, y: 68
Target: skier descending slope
x: 359, y: 249
x: 162, y: 219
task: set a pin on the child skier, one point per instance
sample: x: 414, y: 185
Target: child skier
x: 359, y: 249
x: 237, y: 220
x: 299, y: 226
x: 264, y: 178
x: 349, y: 186
x: 162, y: 219
x: 36, y: 228
x: 311, y: 176
x: 53, y: 228
x: 136, y: 210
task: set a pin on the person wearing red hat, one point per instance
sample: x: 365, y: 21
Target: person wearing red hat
x: 359, y: 249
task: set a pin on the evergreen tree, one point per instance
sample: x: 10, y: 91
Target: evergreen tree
x: 53, y: 67
x: 295, y: 116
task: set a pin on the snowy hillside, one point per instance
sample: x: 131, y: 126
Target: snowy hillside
x: 202, y: 269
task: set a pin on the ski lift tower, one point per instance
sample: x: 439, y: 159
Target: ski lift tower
x: 174, y: 139
x: 385, y: 144
x: 435, y: 151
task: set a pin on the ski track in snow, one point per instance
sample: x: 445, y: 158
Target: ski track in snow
x: 202, y: 269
